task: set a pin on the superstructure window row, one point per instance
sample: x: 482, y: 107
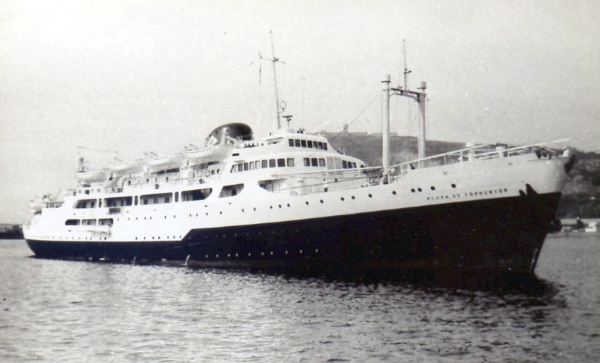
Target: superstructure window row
x: 147, y: 199
x: 89, y: 222
x: 319, y: 162
x: 262, y: 164
x: 310, y: 144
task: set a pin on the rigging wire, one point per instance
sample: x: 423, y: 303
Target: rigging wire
x: 358, y: 115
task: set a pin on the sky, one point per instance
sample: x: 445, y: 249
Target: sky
x: 139, y: 76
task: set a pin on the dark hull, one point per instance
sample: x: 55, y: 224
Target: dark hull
x: 503, y: 235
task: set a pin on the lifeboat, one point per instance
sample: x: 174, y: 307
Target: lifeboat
x: 198, y: 156
x: 91, y: 176
x: 164, y: 162
x: 125, y: 167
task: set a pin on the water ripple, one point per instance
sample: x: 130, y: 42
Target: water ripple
x: 67, y: 311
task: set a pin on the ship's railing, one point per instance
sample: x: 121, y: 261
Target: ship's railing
x: 478, y: 152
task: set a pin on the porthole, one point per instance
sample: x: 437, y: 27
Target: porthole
x: 370, y: 196
x: 342, y: 199
x: 353, y: 197
x: 453, y: 185
x: 420, y: 190
x: 306, y: 203
x: 394, y: 192
x: 412, y: 190
x: 321, y: 201
x: 432, y: 187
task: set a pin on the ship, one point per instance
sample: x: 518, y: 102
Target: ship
x: 288, y: 201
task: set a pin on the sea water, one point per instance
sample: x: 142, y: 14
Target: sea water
x: 56, y: 311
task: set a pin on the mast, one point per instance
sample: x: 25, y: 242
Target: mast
x: 406, y: 71
x: 385, y: 145
x: 274, y: 60
x: 421, y: 147
x: 420, y: 97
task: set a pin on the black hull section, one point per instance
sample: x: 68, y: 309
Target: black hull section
x: 497, y: 236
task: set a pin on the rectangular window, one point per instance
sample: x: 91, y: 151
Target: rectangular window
x: 72, y: 222
x: 306, y: 162
x: 245, y: 166
x: 297, y: 143
x: 271, y: 163
x: 280, y: 163
x: 233, y: 169
x: 156, y: 198
x: 320, y: 145
x: 198, y: 194
x: 231, y: 190
x: 291, y: 141
x: 240, y: 167
x: 105, y: 222
x: 119, y: 201
x: 290, y: 162
x: 344, y: 164
x: 251, y: 165
x: 314, y: 162
x: 324, y: 146
x: 353, y: 165
x: 264, y: 164
x: 86, y: 203
x: 303, y: 143
x: 310, y: 144
x: 322, y: 162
